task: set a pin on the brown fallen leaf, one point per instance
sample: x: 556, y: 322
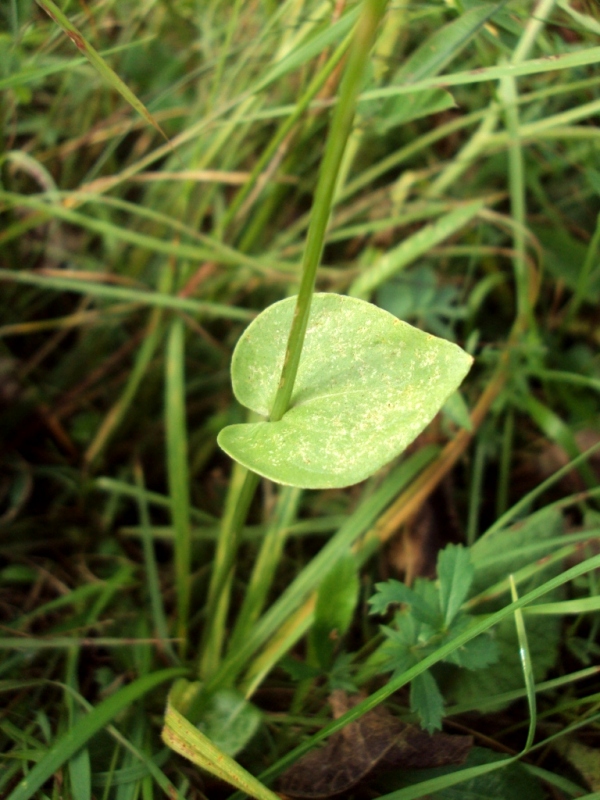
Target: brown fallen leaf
x: 378, y: 739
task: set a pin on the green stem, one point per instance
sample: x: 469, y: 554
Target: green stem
x: 266, y: 564
x: 178, y: 472
x: 341, y: 126
x: 244, y: 482
x: 241, y: 491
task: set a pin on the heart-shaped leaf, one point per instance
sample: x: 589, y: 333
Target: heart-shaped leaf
x: 366, y: 386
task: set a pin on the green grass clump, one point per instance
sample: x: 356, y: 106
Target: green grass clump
x: 159, y: 166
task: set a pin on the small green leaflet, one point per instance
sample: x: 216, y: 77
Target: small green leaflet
x: 455, y: 574
x: 430, y: 616
x: 427, y: 701
x: 394, y: 592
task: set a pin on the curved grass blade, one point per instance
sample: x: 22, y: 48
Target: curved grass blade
x: 527, y: 665
x: 532, y: 66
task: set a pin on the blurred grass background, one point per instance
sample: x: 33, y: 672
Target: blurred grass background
x: 133, y: 254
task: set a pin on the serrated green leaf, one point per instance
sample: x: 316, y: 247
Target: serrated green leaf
x: 455, y: 574
x: 395, y: 592
x: 494, y: 557
x: 426, y: 700
x: 229, y: 721
x: 367, y: 385
x: 336, y: 600
x: 395, y: 654
x: 342, y: 674
x: 417, y: 294
x: 429, y: 594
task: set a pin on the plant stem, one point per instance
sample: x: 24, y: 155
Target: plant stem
x: 339, y: 132
x: 177, y: 465
x: 266, y: 564
x: 246, y: 482
x: 242, y: 488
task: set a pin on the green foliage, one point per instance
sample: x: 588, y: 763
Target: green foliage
x: 464, y: 191
x: 336, y: 601
x: 455, y: 574
x: 366, y: 387
x: 426, y: 701
x: 520, y: 551
x: 431, y: 616
x: 417, y: 295
x: 393, y: 591
x: 229, y: 721
x: 428, y: 60
x: 503, y: 784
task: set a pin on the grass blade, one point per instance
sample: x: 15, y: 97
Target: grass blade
x: 143, y: 296
x: 242, y: 486
x: 413, y: 247
x: 532, y: 66
x: 83, y: 730
x: 402, y: 680
x: 527, y: 665
x: 188, y: 741
x: 158, y: 611
x: 98, y: 62
x: 110, y: 423
x: 178, y: 471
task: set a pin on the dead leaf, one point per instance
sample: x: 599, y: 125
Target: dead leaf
x: 378, y: 739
